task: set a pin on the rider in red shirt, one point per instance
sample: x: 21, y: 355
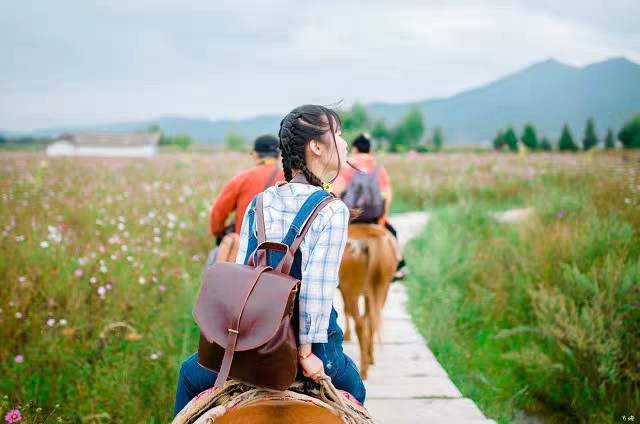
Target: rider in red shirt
x: 238, y: 193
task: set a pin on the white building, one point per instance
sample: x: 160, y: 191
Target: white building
x: 139, y: 144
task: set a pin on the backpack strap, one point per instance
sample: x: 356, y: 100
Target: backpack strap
x: 262, y: 254
x: 301, y: 218
x: 285, y: 265
x: 260, y: 219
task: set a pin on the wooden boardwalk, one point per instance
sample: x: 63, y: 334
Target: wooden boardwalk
x: 407, y: 385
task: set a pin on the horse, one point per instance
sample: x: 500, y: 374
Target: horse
x: 302, y: 403
x: 368, y: 265
x: 280, y: 412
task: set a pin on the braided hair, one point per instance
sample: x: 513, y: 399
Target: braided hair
x: 301, y: 125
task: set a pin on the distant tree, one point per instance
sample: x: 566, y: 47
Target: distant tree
x: 511, y: 139
x: 438, y: 140
x: 498, y: 141
x: 590, y: 139
x: 414, y: 126
x: 380, y: 134
x: 234, y: 141
x: 408, y: 132
x: 566, y: 143
x: 400, y: 141
x: 629, y: 135
x: 164, y: 139
x: 529, y: 137
x: 545, y: 144
x: 355, y: 121
x: 182, y: 141
x: 609, y: 141
x: 359, y: 117
x: 3, y: 139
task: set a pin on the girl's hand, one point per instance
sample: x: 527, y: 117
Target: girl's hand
x: 312, y: 367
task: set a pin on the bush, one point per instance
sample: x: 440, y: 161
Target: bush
x: 629, y: 135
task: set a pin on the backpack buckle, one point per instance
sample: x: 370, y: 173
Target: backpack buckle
x: 231, y: 330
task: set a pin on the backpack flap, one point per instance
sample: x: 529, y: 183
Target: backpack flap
x: 226, y: 294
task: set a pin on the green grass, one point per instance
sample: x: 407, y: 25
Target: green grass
x: 500, y: 305
x: 541, y: 316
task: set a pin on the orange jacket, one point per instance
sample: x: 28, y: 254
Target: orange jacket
x: 238, y: 194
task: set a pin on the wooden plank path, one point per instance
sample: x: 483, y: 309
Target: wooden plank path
x: 407, y: 385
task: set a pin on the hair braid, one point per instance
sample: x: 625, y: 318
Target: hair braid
x: 310, y: 176
x: 303, y: 124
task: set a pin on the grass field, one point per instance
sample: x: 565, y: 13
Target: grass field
x: 101, y: 259
x: 541, y: 316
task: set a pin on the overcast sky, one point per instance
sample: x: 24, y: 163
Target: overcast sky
x: 83, y: 62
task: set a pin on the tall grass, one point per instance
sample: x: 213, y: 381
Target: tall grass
x: 100, y: 262
x: 544, y: 315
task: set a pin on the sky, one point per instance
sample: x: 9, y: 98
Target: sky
x: 78, y: 62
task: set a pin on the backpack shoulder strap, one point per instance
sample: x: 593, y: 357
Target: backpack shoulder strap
x: 307, y: 225
x: 260, y: 219
x: 287, y: 261
x: 262, y: 255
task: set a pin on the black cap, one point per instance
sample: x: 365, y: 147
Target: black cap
x: 266, y: 144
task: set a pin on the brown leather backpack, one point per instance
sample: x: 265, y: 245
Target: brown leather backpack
x: 244, y: 313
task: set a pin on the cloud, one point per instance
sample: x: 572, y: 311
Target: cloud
x: 73, y: 62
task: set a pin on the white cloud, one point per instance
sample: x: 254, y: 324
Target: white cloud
x: 72, y: 62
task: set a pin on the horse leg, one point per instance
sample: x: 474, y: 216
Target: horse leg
x: 348, y: 312
x: 371, y: 329
x: 364, y: 337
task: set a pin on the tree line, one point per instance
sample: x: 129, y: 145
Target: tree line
x: 410, y: 133
x: 628, y: 136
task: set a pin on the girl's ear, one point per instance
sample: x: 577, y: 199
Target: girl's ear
x: 316, y: 148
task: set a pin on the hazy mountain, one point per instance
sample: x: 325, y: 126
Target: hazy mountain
x: 547, y: 94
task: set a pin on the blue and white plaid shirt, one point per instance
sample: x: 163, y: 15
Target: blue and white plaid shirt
x: 321, y: 250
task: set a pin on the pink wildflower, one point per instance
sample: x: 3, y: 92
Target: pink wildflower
x: 13, y: 416
x: 18, y: 359
x: 78, y: 273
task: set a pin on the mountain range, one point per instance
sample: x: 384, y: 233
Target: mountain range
x: 546, y: 94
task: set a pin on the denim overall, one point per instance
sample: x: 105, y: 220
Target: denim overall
x: 344, y: 374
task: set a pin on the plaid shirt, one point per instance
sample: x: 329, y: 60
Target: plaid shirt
x: 321, y: 251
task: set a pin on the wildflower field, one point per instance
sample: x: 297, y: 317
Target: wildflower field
x: 101, y: 259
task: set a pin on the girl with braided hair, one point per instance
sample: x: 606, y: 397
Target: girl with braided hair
x: 312, y: 150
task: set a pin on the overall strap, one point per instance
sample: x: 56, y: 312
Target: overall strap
x: 303, y: 215
x: 287, y: 262
x: 251, y: 217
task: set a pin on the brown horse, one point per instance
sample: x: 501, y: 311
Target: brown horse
x: 368, y: 265
x: 280, y: 412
